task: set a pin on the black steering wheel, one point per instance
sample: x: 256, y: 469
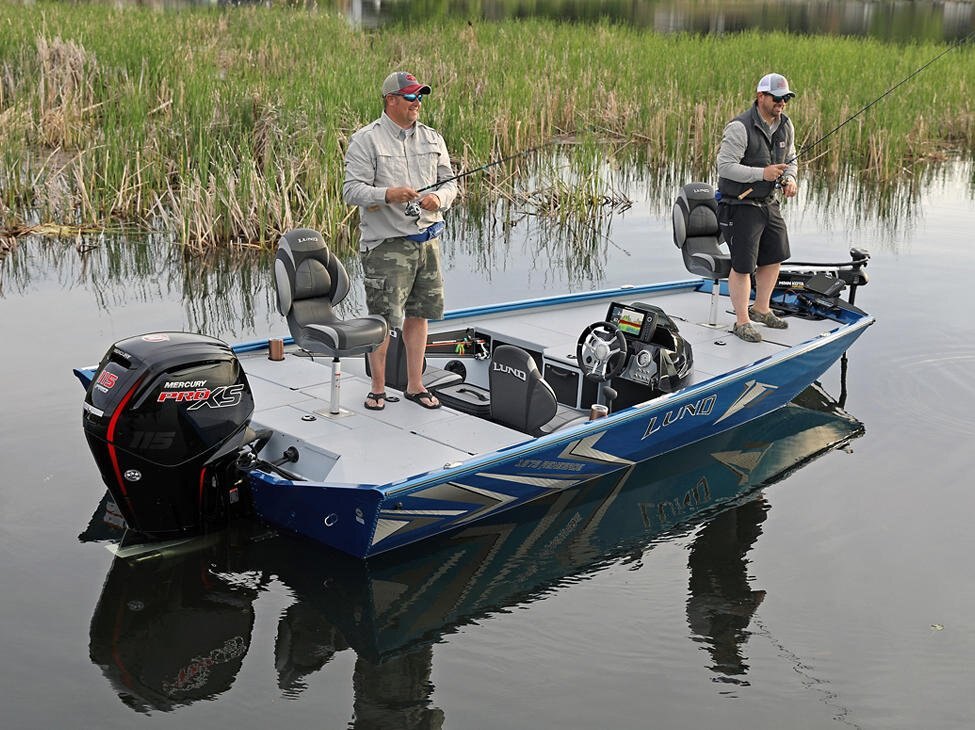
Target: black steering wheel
x: 601, y: 352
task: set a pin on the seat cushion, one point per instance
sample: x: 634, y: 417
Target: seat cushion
x: 466, y: 398
x: 342, y: 337
x: 564, y: 418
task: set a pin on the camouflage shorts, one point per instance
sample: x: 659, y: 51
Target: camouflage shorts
x: 403, y: 279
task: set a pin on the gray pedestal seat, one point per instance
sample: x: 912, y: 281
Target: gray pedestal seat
x: 310, y: 283
x: 698, y: 236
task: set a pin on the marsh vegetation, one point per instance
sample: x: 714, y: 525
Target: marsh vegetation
x: 228, y: 126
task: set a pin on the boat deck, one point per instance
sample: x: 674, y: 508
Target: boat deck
x: 361, y: 447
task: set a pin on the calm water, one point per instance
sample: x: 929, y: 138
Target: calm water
x: 840, y: 593
x: 884, y: 19
x: 887, y: 19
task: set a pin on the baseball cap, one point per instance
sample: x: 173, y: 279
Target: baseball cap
x: 403, y: 82
x: 776, y: 85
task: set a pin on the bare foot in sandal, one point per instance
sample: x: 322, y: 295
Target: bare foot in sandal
x: 424, y: 398
x: 378, y: 401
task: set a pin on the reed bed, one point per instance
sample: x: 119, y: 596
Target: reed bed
x: 228, y: 126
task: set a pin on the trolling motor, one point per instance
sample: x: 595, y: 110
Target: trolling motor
x: 826, y: 281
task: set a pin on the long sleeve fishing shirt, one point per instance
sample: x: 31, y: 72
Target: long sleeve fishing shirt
x: 383, y: 155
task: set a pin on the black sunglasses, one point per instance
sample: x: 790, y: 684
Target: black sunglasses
x: 779, y: 99
x: 412, y: 97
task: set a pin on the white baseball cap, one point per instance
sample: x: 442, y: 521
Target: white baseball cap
x: 776, y: 85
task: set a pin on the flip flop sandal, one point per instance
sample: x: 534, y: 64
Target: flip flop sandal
x: 424, y: 399
x: 379, y: 398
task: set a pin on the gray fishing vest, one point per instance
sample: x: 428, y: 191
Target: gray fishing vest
x: 760, y: 151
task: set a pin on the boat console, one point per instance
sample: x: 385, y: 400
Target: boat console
x: 636, y: 351
x: 638, y: 323
x: 637, y: 344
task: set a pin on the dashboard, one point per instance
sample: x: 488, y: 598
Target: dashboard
x: 638, y: 322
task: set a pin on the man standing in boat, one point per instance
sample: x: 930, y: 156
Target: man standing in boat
x: 757, y: 154
x: 388, y: 163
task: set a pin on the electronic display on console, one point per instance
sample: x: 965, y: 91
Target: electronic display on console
x: 634, y: 322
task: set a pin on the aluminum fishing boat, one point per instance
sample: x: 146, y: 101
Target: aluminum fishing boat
x: 539, y: 397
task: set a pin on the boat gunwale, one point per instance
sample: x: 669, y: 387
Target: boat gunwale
x: 480, y: 461
x: 524, y: 305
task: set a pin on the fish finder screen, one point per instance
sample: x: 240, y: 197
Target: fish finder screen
x: 630, y: 321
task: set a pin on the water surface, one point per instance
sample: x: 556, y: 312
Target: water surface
x: 767, y: 580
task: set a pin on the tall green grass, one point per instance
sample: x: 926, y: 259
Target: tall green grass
x: 229, y: 126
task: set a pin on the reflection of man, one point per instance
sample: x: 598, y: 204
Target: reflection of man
x: 394, y: 694
x: 721, y: 602
x: 387, y: 163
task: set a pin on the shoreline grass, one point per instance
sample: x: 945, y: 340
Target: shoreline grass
x: 228, y: 126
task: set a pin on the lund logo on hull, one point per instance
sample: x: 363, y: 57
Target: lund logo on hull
x: 702, y: 407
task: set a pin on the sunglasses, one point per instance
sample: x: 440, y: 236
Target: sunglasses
x: 779, y: 99
x: 412, y: 97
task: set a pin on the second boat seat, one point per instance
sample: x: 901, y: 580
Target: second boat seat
x: 520, y: 397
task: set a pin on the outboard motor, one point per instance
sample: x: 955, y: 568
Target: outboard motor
x: 165, y: 416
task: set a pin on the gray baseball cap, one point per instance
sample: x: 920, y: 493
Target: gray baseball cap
x: 403, y: 82
x: 776, y: 85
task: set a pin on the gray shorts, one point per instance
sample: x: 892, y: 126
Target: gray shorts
x: 756, y: 235
x: 403, y: 279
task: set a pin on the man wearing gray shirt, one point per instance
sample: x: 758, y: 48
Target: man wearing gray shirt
x: 757, y: 153
x: 392, y: 170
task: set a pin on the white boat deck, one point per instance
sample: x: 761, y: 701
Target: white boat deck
x: 359, y: 446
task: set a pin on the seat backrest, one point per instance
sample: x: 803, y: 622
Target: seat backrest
x: 520, y: 397
x: 697, y: 234
x: 309, y: 279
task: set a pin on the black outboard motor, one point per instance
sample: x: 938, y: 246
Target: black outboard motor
x: 165, y: 416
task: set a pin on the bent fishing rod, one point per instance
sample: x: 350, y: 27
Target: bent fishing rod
x: 849, y: 119
x: 413, y: 207
x: 889, y: 91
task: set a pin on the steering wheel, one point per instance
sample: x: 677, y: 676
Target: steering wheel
x: 601, y: 351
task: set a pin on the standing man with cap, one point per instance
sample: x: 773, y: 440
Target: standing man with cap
x: 757, y: 152
x: 387, y: 163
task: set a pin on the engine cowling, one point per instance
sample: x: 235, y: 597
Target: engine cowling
x: 165, y: 416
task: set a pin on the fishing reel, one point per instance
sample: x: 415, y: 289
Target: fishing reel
x: 413, y: 209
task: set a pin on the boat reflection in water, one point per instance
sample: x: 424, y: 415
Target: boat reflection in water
x: 173, y: 624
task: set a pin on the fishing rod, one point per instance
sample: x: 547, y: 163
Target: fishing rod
x: 889, y: 91
x: 849, y: 119
x: 413, y: 207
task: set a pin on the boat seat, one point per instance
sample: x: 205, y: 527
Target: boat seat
x: 698, y: 236
x: 521, y: 399
x: 310, y: 282
x: 396, y: 376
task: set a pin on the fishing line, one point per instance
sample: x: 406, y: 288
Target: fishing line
x: 515, y: 156
x: 849, y: 119
x: 889, y: 91
x: 413, y: 207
